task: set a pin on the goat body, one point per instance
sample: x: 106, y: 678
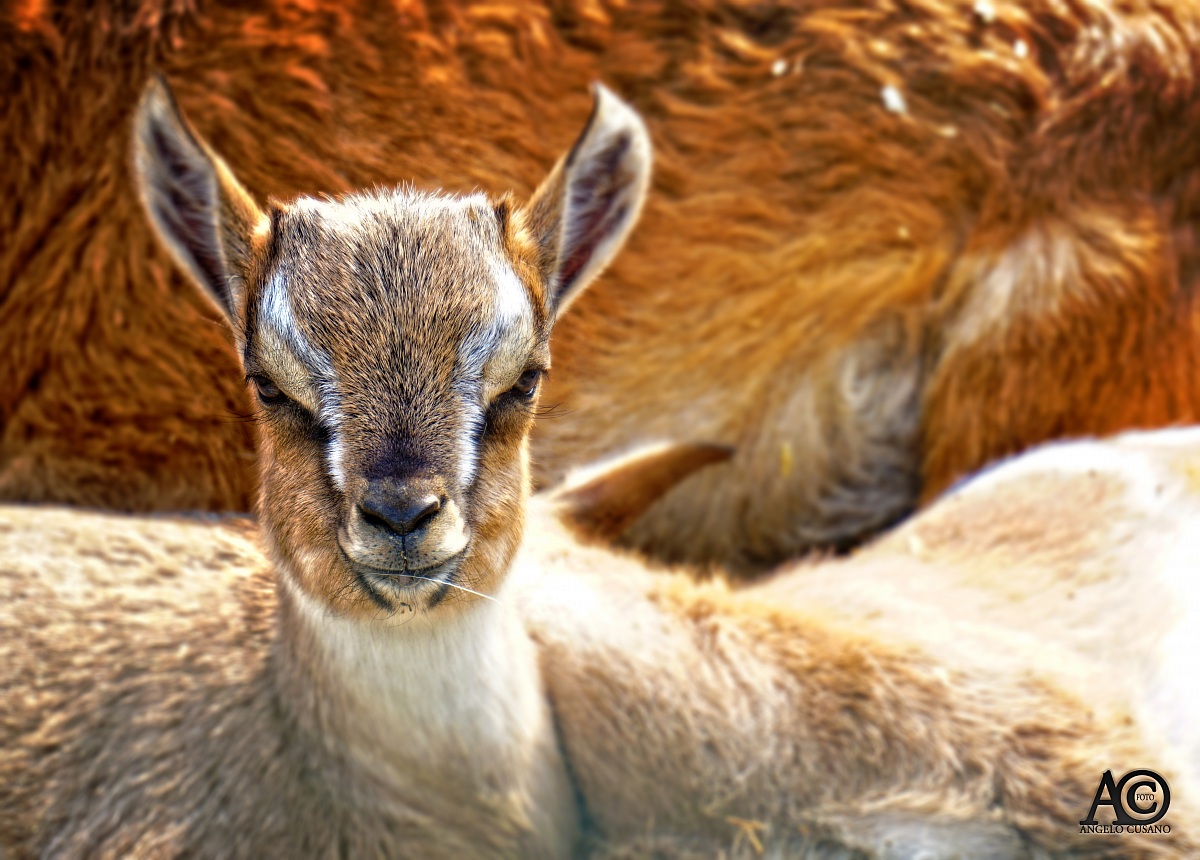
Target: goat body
x: 162, y: 697
x: 956, y: 689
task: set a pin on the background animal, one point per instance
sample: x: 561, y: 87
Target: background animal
x: 886, y: 244
x: 1078, y: 556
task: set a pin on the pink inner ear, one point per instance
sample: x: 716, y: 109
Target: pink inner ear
x: 183, y: 201
x: 597, y: 202
x: 599, y: 227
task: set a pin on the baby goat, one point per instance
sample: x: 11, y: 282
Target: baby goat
x: 385, y: 684
x: 396, y: 343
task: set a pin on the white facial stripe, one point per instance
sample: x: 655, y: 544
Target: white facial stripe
x: 293, y: 363
x: 468, y: 442
x: 300, y: 369
x: 334, y: 450
x: 493, y: 357
x: 511, y: 332
x: 494, y: 354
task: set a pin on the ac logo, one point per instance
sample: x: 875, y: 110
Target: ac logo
x: 1138, y: 802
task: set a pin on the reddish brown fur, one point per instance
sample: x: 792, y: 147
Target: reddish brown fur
x: 794, y: 223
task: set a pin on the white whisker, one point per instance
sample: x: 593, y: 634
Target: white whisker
x: 446, y: 582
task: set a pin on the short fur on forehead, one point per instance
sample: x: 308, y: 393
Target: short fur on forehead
x: 405, y: 308
x: 426, y: 274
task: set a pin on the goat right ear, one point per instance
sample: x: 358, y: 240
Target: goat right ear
x: 200, y: 211
x: 580, y: 215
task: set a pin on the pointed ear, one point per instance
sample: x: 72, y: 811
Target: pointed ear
x: 601, y: 502
x: 200, y: 211
x: 582, y: 212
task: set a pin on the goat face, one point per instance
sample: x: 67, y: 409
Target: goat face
x: 396, y: 341
x: 396, y: 353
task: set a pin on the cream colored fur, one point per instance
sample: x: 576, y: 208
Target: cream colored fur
x: 963, y: 703
x: 1078, y: 558
x: 159, y: 700
x: 939, y: 718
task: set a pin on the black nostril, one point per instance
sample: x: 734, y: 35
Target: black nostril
x: 399, y: 513
x: 432, y: 504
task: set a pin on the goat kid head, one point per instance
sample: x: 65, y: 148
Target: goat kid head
x: 396, y: 341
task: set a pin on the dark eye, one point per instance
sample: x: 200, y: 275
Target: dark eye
x: 268, y: 392
x: 527, y: 384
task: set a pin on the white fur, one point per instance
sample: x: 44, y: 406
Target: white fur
x: 1119, y: 455
x: 1135, y: 610
x: 1175, y: 706
x: 468, y: 444
x: 283, y: 340
x: 465, y: 689
x: 335, y: 454
x: 300, y: 369
x: 581, y: 475
x: 1029, y: 278
x: 493, y: 357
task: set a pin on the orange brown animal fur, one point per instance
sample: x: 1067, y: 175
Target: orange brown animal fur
x: 887, y: 243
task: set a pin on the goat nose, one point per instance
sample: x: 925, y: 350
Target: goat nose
x: 401, y: 509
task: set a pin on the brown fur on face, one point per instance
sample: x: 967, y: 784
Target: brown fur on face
x: 396, y: 353
x: 864, y: 303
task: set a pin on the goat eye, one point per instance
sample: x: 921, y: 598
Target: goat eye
x: 527, y: 384
x: 268, y: 392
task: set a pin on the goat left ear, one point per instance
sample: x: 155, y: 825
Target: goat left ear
x: 582, y: 212
x: 601, y: 502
